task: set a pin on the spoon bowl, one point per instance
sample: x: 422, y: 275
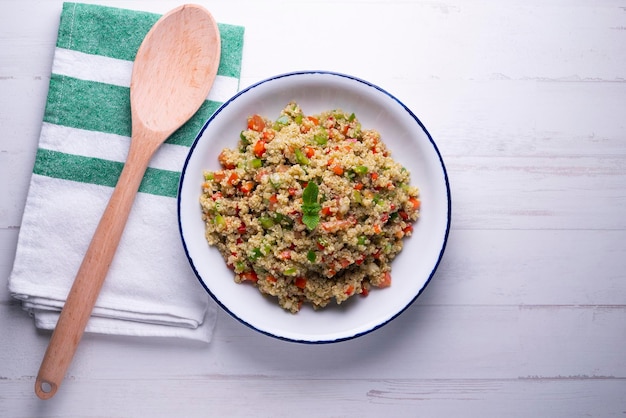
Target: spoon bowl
x: 173, y: 72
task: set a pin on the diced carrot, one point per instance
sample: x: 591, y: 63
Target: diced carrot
x: 325, y: 211
x: 222, y: 158
x: 259, y: 148
x: 219, y: 176
x: 300, y: 282
x: 415, y: 202
x: 309, y: 151
x: 256, y: 123
x: 271, y: 279
x: 374, y: 176
x: 377, y: 229
x: 358, y: 186
x: 273, y: 199
x: 232, y: 178
x: 337, y: 169
x: 350, y: 290
x: 313, y: 119
x: 246, y: 186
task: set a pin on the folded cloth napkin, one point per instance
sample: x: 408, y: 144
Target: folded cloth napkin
x: 150, y: 289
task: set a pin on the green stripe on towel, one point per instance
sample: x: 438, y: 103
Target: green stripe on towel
x: 101, y: 172
x: 96, y: 31
x: 106, y: 108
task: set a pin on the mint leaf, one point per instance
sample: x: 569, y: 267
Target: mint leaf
x: 310, y: 207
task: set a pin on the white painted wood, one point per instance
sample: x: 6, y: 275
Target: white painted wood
x: 526, y: 315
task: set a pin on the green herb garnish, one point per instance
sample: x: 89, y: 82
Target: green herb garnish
x: 310, y: 207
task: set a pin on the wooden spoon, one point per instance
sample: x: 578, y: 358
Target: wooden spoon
x: 173, y: 72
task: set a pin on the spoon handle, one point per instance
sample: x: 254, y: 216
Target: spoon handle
x: 91, y: 274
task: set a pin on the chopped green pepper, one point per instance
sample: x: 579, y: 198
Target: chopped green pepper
x: 300, y: 157
x: 266, y: 222
x: 321, y: 138
x: 360, y: 169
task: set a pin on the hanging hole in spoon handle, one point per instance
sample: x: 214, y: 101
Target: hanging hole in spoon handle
x: 45, y: 389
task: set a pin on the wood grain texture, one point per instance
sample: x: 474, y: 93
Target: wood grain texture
x: 526, y: 315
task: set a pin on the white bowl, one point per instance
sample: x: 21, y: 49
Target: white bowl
x: 410, y: 144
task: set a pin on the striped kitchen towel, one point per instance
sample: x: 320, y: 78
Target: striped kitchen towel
x: 150, y: 289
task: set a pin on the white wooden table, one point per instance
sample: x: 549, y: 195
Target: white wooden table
x: 526, y: 315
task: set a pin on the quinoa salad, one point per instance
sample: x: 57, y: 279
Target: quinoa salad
x: 309, y: 208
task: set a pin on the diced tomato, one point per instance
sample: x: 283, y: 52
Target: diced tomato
x: 259, y: 148
x: 334, y: 226
x: 350, y: 290
x: 250, y: 276
x: 285, y: 255
x: 374, y: 176
x: 271, y: 279
x: 269, y: 134
x: 408, y: 229
x: 300, y: 282
x: 325, y: 211
x: 256, y: 123
x: 359, y: 260
x: 291, y: 191
x: 273, y: 200
x: 242, y: 229
x: 386, y: 280
x: 365, y: 291
x: 216, y: 195
x: 403, y: 215
x: 358, y: 186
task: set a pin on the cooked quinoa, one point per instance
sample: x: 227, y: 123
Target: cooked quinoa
x: 309, y: 208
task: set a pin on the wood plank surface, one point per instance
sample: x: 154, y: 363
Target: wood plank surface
x: 526, y: 316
